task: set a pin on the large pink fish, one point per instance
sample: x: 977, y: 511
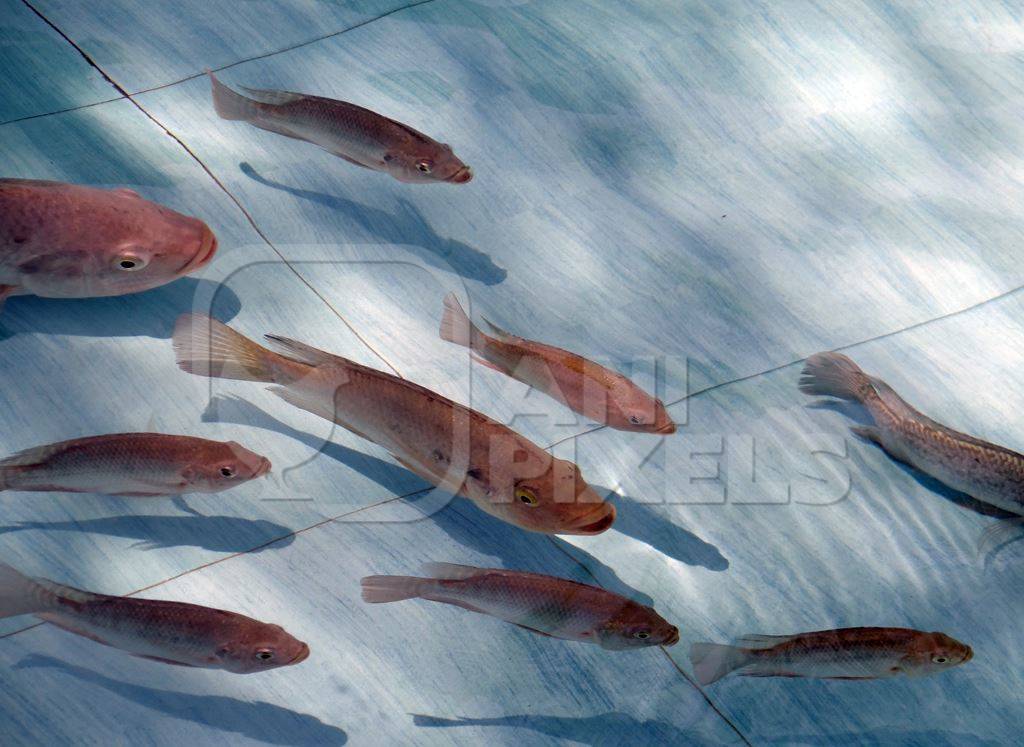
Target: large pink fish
x: 547, y: 605
x: 169, y: 632
x: 357, y: 135
x: 447, y: 444
x: 68, y: 241
x: 586, y: 387
x: 132, y: 464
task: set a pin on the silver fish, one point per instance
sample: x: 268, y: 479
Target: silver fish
x: 357, y: 135
x: 989, y: 473
x: 169, y: 632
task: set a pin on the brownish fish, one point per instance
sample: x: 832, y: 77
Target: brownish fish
x: 445, y: 443
x: 547, y: 605
x: 596, y: 392
x: 843, y: 654
x: 357, y: 135
x: 168, y: 632
x: 132, y: 464
x: 68, y: 241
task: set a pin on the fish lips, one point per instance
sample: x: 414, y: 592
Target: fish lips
x: 301, y: 656
x: 673, y: 639
x: 462, y: 176
x: 207, y: 248
x: 594, y: 522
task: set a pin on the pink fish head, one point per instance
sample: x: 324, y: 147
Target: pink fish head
x: 223, y: 465
x: 636, y: 626
x: 127, y: 245
x: 424, y: 161
x: 641, y: 413
x: 929, y: 653
x: 255, y: 646
x: 542, y: 494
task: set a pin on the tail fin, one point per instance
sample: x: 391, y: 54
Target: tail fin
x: 834, y: 375
x: 456, y: 326
x: 712, y: 661
x: 21, y: 595
x: 206, y: 347
x: 228, y: 104
x: 380, y: 589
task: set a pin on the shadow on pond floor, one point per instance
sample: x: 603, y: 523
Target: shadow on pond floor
x: 263, y: 722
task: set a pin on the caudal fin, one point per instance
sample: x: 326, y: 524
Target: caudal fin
x: 456, y: 325
x: 834, y: 375
x: 712, y: 661
x: 21, y: 595
x: 228, y: 104
x: 381, y: 589
x: 206, y: 347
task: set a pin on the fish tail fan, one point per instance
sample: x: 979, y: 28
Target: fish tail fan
x: 834, y: 375
x: 21, y: 595
x: 228, y: 104
x: 712, y: 661
x: 456, y: 325
x: 206, y: 347
x: 381, y: 589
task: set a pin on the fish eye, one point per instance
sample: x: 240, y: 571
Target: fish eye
x: 642, y: 634
x: 227, y: 471
x: 526, y: 496
x: 425, y: 166
x: 264, y: 654
x: 636, y: 420
x: 130, y: 262
x: 940, y: 659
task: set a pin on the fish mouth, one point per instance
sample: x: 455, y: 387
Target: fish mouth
x: 668, y: 429
x: 301, y: 656
x: 594, y: 522
x: 462, y: 176
x: 673, y: 639
x: 207, y: 248
x: 263, y: 469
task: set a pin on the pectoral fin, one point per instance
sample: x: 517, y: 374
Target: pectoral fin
x: 164, y: 661
x: 533, y: 630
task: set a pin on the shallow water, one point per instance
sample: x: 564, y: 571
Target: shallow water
x: 724, y: 187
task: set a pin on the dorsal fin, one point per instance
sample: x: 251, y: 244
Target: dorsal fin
x: 758, y: 641
x: 304, y: 353
x: 272, y: 97
x: 449, y: 571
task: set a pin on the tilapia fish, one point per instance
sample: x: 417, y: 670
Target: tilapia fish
x: 68, y: 241
x: 169, y: 632
x: 842, y: 654
x: 445, y: 443
x: 542, y: 604
x: 596, y: 392
x: 132, y: 464
x: 357, y: 135
x: 989, y: 473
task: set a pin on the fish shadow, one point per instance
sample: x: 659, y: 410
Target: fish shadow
x: 645, y: 522
x: 226, y: 534
x: 610, y: 729
x: 263, y: 722
x: 407, y: 227
x: 148, y: 314
x: 474, y: 528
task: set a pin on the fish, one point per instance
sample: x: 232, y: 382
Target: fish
x: 984, y: 471
x: 132, y: 464
x: 169, y: 632
x: 61, y: 240
x: 841, y: 654
x: 449, y: 445
x: 551, y: 606
x: 588, y: 388
x: 357, y: 135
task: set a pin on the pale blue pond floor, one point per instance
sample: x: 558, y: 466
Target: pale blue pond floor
x: 729, y: 186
